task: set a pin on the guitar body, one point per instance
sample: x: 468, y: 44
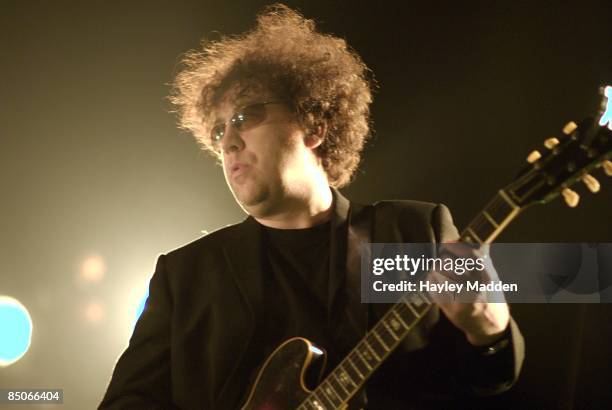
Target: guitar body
x: 280, y: 382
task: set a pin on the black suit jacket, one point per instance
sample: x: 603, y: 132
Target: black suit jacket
x: 190, y: 347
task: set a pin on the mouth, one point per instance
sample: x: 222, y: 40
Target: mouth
x: 237, y: 169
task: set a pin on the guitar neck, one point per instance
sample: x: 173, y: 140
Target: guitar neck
x: 350, y: 375
x: 492, y: 220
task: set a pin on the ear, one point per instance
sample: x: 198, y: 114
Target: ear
x: 316, y: 136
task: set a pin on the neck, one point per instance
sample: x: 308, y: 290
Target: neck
x: 301, y: 211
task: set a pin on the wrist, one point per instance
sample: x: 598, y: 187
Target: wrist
x: 488, y: 325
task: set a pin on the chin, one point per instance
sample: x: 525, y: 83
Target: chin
x: 251, y: 198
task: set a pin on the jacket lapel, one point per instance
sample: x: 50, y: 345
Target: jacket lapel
x: 337, y: 248
x: 348, y: 317
x: 243, y: 254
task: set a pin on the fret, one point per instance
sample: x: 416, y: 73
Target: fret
x: 503, y: 195
x: 353, y: 370
x: 385, y: 334
x: 344, y: 377
x: 500, y: 211
x: 316, y: 404
x: 331, y: 393
x: 483, y: 226
x: 342, y: 392
x: 416, y: 303
x: 412, y: 309
x: 365, y: 341
x: 363, y: 358
x: 501, y: 207
x: 466, y: 237
x: 473, y: 234
x: 406, y: 315
x: 310, y: 405
x: 398, y: 319
x: 389, y: 328
x: 374, y: 337
x: 428, y: 299
x: 339, y: 383
x: 359, y: 364
x: 490, y: 219
x: 416, y: 299
x: 320, y: 394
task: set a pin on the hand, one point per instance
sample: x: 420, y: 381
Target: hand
x: 481, y: 320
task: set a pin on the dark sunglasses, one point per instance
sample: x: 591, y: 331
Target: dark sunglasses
x: 243, y: 120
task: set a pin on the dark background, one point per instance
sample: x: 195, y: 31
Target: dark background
x: 91, y: 161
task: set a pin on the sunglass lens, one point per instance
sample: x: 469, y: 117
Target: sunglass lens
x: 249, y: 117
x: 216, y: 134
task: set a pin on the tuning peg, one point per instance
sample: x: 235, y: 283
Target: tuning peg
x: 571, y: 197
x: 534, y: 156
x: 607, y: 165
x: 550, y: 143
x: 591, y: 183
x: 569, y: 127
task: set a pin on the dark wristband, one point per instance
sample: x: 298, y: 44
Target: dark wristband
x: 500, y: 344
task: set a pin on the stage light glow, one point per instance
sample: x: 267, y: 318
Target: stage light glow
x: 315, y: 350
x: 141, y: 306
x: 15, y: 330
x: 606, y: 118
x: 93, y: 268
x: 94, y: 312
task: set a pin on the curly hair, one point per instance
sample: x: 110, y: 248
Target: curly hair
x: 326, y: 82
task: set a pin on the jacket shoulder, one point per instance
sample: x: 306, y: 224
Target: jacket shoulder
x: 417, y: 221
x: 406, y: 205
x: 211, y: 242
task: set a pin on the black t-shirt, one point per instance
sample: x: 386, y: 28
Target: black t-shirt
x: 296, y: 286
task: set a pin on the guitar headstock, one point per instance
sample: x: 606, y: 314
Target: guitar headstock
x: 566, y: 160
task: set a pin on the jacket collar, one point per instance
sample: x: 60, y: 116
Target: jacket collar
x: 341, y: 207
x: 243, y: 255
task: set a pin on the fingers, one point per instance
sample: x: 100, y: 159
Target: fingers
x: 448, y: 288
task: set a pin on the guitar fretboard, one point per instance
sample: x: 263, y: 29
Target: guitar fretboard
x: 492, y: 220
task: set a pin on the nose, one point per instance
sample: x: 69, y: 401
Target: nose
x: 232, y: 141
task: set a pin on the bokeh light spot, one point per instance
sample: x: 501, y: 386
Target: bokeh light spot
x: 94, y: 312
x: 93, y: 268
x: 15, y: 330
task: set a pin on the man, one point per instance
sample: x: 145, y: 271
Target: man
x: 285, y: 110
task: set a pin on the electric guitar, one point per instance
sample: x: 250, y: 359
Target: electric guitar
x: 581, y: 149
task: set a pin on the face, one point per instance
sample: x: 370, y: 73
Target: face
x: 266, y: 164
